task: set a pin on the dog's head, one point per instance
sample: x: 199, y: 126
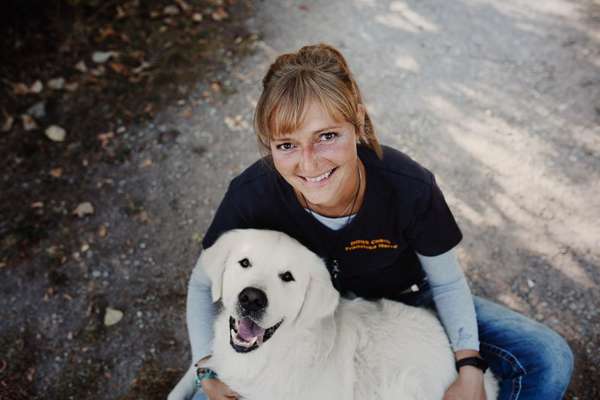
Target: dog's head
x: 267, y: 280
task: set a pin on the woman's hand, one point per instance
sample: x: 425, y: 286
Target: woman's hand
x: 217, y: 390
x: 468, y: 385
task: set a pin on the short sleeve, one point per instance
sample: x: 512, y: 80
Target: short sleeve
x: 227, y: 217
x: 433, y: 230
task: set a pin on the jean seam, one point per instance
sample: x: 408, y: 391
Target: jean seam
x: 510, y: 358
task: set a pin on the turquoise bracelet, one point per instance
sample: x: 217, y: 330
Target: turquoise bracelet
x: 202, y: 374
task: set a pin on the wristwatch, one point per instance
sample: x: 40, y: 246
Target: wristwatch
x: 476, y: 362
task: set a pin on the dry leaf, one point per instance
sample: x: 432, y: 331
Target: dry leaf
x: 120, y: 13
x: 71, y: 87
x: 8, y: 122
x: 29, y: 123
x: 84, y: 209
x: 102, y: 231
x: 220, y: 14
x: 119, y: 68
x: 183, y: 5
x: 20, y: 89
x: 146, y: 163
x: 112, y: 316
x: 56, y: 172
x: 104, y: 138
x: 215, y: 86
x: 37, y: 204
x: 56, y: 133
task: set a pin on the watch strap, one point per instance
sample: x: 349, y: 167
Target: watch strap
x: 476, y: 362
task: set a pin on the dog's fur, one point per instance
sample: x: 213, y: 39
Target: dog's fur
x: 326, y: 347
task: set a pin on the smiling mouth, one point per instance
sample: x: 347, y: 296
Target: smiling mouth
x: 319, y: 178
x: 246, y: 335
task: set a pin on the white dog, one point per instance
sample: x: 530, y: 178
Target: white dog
x: 284, y: 333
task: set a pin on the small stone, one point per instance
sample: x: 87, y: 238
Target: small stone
x: 197, y: 17
x: 37, y: 87
x: 100, y: 57
x: 56, y: 83
x: 81, y: 67
x: 171, y: 10
x: 29, y: 123
x: 84, y: 209
x: 38, y: 110
x: 56, y: 133
x: 112, y: 316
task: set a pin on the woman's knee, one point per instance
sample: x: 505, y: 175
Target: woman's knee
x: 556, y: 361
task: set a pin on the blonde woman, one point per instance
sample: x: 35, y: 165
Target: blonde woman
x: 379, y: 220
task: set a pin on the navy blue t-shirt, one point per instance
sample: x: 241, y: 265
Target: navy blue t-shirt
x: 374, y: 256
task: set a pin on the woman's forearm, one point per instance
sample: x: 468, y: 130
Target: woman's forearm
x: 200, y: 313
x: 453, y: 300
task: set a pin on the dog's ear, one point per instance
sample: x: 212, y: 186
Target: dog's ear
x: 321, y: 299
x: 213, y: 261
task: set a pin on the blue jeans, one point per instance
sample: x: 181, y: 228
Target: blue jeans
x: 530, y: 360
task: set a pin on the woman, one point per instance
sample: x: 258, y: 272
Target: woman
x: 378, y: 219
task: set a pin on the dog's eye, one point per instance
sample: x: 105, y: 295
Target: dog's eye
x: 245, y: 263
x: 287, y: 276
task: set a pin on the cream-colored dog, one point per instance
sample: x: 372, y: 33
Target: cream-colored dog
x: 284, y: 333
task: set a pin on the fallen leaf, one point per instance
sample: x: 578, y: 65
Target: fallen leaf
x: 99, y: 71
x: 102, y: 231
x: 215, y: 86
x: 112, y: 316
x: 84, y: 209
x: 20, y: 89
x: 29, y: 123
x: 100, y: 57
x: 104, y: 138
x: 106, y: 31
x: 56, y: 133
x: 56, y: 83
x: 81, y: 67
x: 236, y: 123
x: 220, y: 14
x: 37, y: 204
x: 8, y: 122
x: 146, y: 163
x: 56, y: 172
x: 71, y: 87
x: 142, y: 217
x: 120, y: 13
x: 183, y: 5
x: 154, y: 14
x: 119, y: 68
x: 171, y: 10
x: 37, y: 87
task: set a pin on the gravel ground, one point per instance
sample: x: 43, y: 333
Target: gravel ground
x: 500, y: 100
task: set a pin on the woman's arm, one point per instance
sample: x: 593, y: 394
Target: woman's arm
x: 200, y: 315
x: 453, y: 299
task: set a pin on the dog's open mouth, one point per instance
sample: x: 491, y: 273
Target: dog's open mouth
x: 246, y: 335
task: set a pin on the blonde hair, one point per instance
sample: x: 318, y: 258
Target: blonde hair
x: 317, y: 72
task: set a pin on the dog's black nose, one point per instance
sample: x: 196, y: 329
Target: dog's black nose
x: 252, y: 299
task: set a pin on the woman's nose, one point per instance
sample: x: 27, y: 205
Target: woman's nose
x: 308, y: 163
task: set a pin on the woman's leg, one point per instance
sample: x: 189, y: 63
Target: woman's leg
x: 530, y: 360
x: 199, y: 396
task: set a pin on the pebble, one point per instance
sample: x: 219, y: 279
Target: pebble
x: 38, y: 110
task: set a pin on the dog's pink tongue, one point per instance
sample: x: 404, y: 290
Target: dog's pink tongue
x: 248, y: 329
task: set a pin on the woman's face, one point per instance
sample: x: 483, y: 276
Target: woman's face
x: 319, y: 160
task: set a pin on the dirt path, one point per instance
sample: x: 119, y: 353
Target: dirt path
x: 500, y: 101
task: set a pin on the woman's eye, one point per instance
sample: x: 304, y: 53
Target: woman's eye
x: 328, y: 136
x: 285, y: 146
